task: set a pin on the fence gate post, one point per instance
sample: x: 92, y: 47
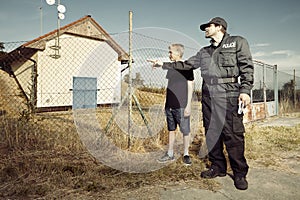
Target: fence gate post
x: 265, y: 89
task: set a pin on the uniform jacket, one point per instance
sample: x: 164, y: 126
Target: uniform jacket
x: 231, y: 58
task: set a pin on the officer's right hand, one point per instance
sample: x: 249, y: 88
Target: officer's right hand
x: 245, y: 98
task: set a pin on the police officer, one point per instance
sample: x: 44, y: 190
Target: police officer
x: 227, y: 71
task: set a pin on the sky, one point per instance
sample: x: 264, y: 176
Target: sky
x: 270, y: 26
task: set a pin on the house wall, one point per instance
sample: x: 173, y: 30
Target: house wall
x: 79, y: 57
x: 23, y: 71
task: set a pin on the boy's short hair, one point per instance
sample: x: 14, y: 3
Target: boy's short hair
x: 179, y: 48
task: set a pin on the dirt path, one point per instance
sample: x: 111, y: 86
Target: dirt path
x: 263, y: 184
x: 287, y: 121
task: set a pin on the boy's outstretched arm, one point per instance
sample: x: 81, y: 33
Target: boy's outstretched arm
x: 171, y: 65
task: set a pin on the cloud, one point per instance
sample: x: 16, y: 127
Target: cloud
x: 284, y: 52
x: 286, y: 60
x: 259, y: 54
x: 287, y: 18
x: 261, y: 45
x: 257, y: 48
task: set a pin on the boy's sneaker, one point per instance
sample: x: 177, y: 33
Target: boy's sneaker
x: 187, y: 160
x: 166, y: 158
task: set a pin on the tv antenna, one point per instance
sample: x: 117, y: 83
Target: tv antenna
x: 61, y: 9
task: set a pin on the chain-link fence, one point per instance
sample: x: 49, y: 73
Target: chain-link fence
x: 272, y: 85
x: 36, y: 79
x: 81, y: 86
x: 52, y: 94
x: 40, y: 81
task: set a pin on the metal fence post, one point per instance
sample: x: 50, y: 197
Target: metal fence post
x: 295, y: 92
x: 265, y: 89
x: 275, y: 82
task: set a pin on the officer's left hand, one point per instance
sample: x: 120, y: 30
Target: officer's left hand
x: 245, y: 98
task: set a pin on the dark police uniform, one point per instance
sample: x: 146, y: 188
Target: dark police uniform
x: 227, y: 71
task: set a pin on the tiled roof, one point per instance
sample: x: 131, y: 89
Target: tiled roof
x: 80, y: 28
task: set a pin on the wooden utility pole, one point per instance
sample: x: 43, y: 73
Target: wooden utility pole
x: 130, y: 80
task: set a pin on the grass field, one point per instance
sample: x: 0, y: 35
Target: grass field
x: 42, y: 157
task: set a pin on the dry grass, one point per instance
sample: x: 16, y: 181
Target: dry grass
x: 12, y: 102
x: 41, y: 161
x: 271, y: 146
x: 287, y: 106
x: 42, y: 157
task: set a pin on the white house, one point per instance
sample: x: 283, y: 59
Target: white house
x: 50, y: 69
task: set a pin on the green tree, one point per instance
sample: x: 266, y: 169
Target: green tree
x: 2, y: 47
x: 287, y: 92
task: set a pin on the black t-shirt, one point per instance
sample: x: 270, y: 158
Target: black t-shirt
x: 177, y: 90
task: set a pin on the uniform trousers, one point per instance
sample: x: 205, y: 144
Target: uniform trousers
x: 224, y: 126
